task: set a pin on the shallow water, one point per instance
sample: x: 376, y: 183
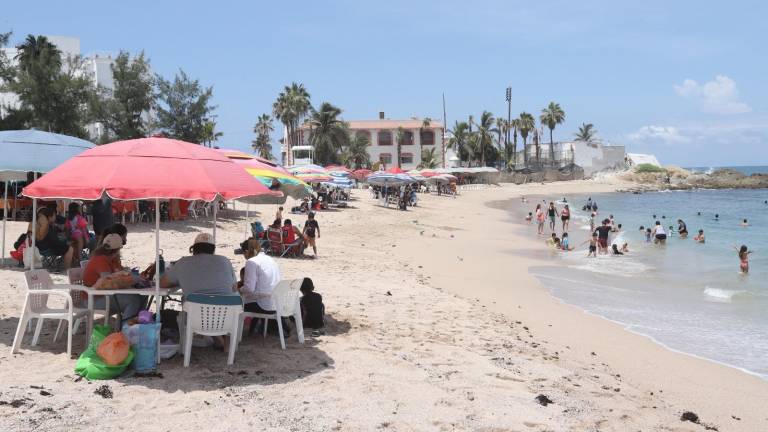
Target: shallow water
x: 687, y: 296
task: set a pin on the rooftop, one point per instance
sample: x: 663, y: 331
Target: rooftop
x: 389, y: 124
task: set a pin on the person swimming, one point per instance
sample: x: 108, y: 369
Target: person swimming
x: 615, y: 249
x: 744, y: 223
x: 743, y: 258
x: 700, y: 237
x: 682, y: 229
x: 717, y: 217
x: 647, y: 235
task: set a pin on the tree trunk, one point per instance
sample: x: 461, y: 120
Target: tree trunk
x: 551, y: 147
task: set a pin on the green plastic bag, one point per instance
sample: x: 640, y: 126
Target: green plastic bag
x: 90, y: 365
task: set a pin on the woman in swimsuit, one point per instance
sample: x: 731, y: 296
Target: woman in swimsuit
x: 660, y: 236
x: 540, y: 219
x: 565, y: 217
x: 552, y: 212
x: 743, y: 258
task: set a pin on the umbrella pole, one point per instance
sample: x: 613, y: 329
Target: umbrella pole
x: 34, y: 233
x: 5, y: 217
x: 158, y: 299
x: 215, y: 209
x: 247, y: 216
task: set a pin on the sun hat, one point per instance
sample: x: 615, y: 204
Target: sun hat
x: 113, y: 242
x: 203, y: 238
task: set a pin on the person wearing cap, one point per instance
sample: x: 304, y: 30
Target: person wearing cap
x: 106, y: 260
x: 204, y: 272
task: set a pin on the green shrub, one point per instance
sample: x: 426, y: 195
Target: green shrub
x: 648, y: 168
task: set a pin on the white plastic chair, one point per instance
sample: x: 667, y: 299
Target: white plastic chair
x: 287, y: 300
x: 80, y: 298
x: 39, y: 287
x: 211, y: 315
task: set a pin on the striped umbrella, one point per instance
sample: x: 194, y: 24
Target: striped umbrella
x: 381, y: 178
x: 361, y: 174
x: 270, y: 174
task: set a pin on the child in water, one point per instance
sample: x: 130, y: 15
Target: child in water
x: 564, y: 244
x: 529, y: 218
x: 616, y: 250
x: 647, y: 235
x: 700, y: 237
x: 592, y: 245
x: 743, y: 258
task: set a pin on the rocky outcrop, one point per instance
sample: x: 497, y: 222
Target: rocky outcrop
x: 674, y: 178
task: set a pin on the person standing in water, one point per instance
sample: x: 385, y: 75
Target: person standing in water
x: 540, y: 219
x: 743, y: 258
x: 700, y: 237
x: 552, y: 213
x: 565, y: 217
x: 659, y: 235
x: 592, y: 245
x: 682, y: 229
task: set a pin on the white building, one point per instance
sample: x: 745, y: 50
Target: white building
x: 97, y: 67
x: 382, y: 134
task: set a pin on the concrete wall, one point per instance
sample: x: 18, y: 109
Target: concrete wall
x: 597, y: 158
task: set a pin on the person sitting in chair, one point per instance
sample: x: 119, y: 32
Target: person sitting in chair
x: 105, y: 261
x: 47, y: 238
x: 261, y: 275
x: 293, y: 237
x: 203, y: 272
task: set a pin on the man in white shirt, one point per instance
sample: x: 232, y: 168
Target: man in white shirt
x: 260, y: 278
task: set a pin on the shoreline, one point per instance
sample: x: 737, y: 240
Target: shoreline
x: 679, y: 373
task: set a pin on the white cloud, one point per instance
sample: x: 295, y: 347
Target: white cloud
x: 718, y: 96
x: 664, y: 134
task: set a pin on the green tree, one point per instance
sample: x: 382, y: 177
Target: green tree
x: 355, y: 154
x: 53, y: 91
x: 552, y: 116
x: 459, y: 138
x: 209, y: 134
x: 6, y: 68
x: 587, y: 133
x: 428, y: 159
x: 501, y: 129
x: 124, y: 110
x: 525, y: 124
x: 184, y: 108
x: 328, y: 133
x: 263, y: 129
x: 485, y: 132
x: 290, y: 108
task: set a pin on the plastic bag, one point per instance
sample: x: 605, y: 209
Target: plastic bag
x: 32, y: 253
x: 114, y: 349
x: 143, y: 338
x: 91, y: 366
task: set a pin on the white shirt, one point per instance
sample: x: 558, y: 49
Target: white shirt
x: 261, y: 277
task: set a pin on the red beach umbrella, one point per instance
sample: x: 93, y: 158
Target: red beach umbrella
x: 395, y: 170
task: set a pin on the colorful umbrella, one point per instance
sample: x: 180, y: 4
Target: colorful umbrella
x: 361, y: 174
x: 269, y: 174
x: 395, y: 170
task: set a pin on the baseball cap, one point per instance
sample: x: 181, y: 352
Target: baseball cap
x: 113, y: 241
x: 204, y: 238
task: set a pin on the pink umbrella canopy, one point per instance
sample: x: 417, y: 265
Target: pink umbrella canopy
x: 148, y: 168
x: 395, y: 170
x: 361, y: 174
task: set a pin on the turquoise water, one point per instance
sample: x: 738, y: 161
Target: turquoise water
x: 687, y: 296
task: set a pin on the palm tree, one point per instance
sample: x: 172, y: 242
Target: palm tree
x: 291, y: 106
x: 552, y: 116
x: 484, y: 134
x: 501, y: 128
x: 263, y: 130
x: 355, y: 154
x: 459, y: 138
x: 38, y: 50
x: 399, y: 137
x: 526, y: 123
x: 428, y: 159
x: 426, y: 123
x: 209, y: 135
x: 587, y: 133
x: 328, y: 133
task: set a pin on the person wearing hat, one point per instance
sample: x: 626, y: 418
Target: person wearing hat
x: 106, y: 260
x: 203, y: 272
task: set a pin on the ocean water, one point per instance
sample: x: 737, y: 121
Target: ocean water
x: 687, y: 296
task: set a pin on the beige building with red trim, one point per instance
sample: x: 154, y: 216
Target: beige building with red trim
x: 381, y: 135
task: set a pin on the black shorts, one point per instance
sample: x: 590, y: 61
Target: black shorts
x: 592, y: 248
x: 565, y: 218
x: 661, y: 236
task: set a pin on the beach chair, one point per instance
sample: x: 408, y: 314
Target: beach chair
x: 39, y: 288
x: 276, y: 245
x: 286, y: 297
x: 80, y: 300
x: 210, y: 315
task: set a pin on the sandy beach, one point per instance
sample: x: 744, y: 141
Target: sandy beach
x: 434, y: 323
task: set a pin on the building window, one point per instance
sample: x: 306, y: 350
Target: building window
x: 385, y: 158
x: 406, y: 158
x: 385, y: 138
x: 364, y: 134
x: 427, y: 137
x: 407, y: 138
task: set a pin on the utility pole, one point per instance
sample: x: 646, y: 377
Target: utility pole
x: 445, y: 125
x: 509, y: 124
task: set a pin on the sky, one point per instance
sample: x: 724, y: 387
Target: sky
x: 684, y: 80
